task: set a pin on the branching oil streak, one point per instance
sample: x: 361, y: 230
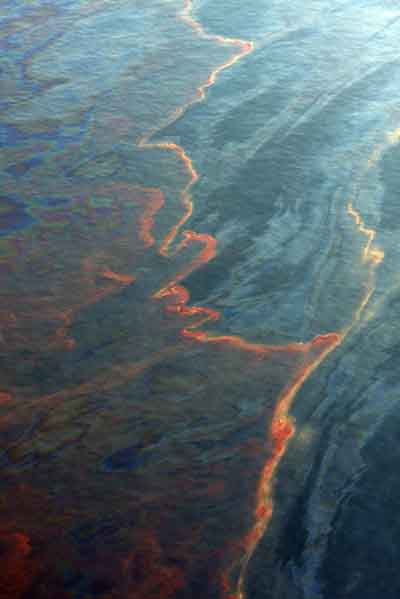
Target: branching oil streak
x: 282, y: 427
x: 309, y: 354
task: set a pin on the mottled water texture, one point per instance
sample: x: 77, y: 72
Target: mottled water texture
x: 199, y: 299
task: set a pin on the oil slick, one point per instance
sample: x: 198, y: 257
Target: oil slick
x: 175, y: 330
x: 282, y: 427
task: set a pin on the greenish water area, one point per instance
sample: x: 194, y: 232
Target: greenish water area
x: 199, y: 299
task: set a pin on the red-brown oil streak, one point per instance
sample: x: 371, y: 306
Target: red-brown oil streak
x: 282, y: 427
x: 313, y: 353
x: 281, y: 430
x: 245, y: 47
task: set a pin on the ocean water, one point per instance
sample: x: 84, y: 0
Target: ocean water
x: 199, y: 299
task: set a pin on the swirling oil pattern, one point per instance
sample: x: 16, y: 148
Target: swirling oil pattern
x: 199, y: 299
